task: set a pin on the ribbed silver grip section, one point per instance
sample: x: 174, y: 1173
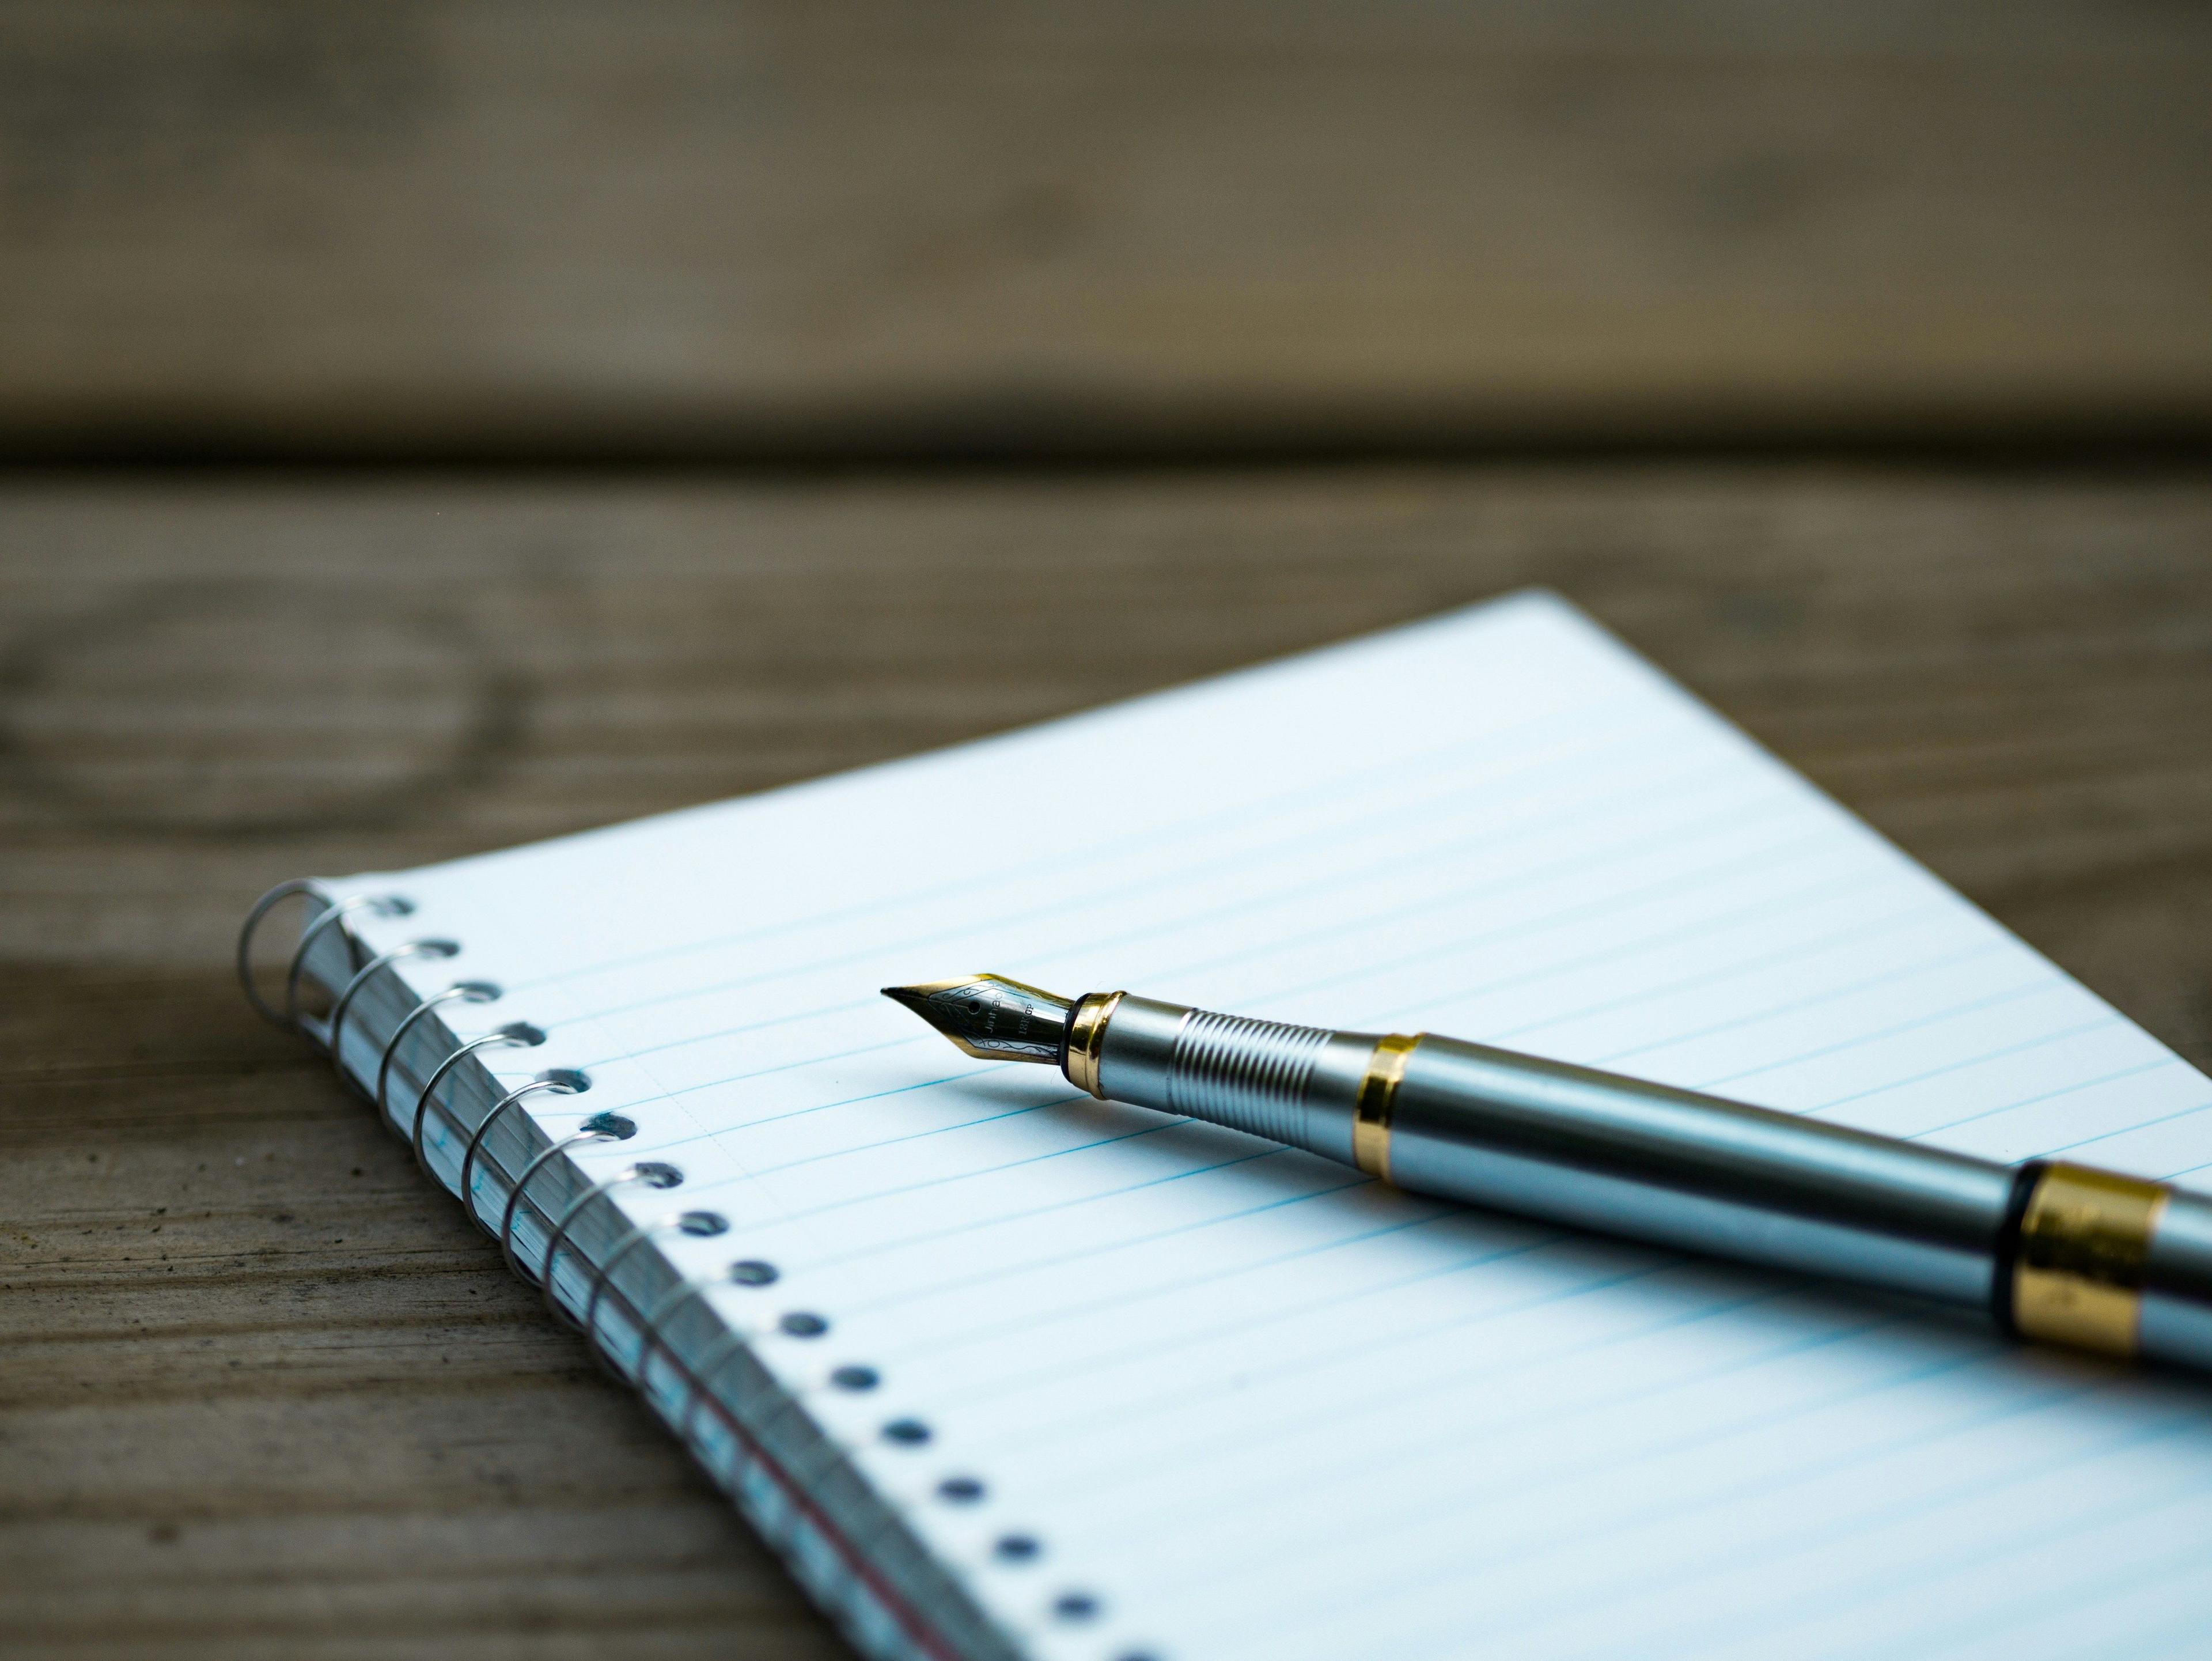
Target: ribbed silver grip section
x: 1290, y: 1083
x: 1250, y: 1075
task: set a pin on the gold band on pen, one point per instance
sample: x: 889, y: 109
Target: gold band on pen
x: 2084, y: 1251
x: 1378, y: 1103
x: 1086, y: 1038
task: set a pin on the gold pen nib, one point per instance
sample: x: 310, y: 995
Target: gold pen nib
x: 991, y: 1017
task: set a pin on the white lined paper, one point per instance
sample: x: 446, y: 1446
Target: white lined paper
x: 1254, y: 1405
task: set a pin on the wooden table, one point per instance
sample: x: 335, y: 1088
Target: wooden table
x: 522, y: 229
x: 1859, y: 371
x: 265, y: 1395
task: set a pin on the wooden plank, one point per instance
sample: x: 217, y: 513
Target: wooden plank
x: 268, y: 1395
x: 669, y: 227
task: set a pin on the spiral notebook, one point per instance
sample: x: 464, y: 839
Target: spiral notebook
x: 1003, y: 1371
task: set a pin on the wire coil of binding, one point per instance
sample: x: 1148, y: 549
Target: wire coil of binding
x: 515, y: 1035
x: 751, y: 1440
x: 459, y: 992
x: 700, y: 1224
x: 563, y: 1081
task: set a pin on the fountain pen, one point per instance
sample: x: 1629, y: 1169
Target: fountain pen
x: 2053, y: 1251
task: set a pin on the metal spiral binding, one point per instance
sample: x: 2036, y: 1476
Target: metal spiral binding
x: 700, y: 1225
x: 750, y: 1442
x: 703, y: 1373
x: 517, y: 1035
x: 333, y: 1030
x: 563, y: 1081
x: 746, y: 1440
x: 651, y: 1322
x: 649, y: 1333
x: 590, y: 1131
x: 459, y: 992
x: 389, y: 906
x: 655, y: 1173
x: 601, y: 1127
x: 262, y: 908
x: 288, y: 1017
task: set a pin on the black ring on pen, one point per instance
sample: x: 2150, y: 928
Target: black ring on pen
x: 2025, y: 1181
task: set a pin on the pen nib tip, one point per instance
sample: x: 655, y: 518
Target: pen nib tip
x: 990, y: 1017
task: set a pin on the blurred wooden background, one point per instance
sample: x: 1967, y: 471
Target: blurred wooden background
x: 573, y: 228
x: 425, y: 427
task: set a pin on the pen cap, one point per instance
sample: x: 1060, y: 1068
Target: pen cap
x: 1677, y: 1168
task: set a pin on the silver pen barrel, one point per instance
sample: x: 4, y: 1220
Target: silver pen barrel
x: 2054, y: 1252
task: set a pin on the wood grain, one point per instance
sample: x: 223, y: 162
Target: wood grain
x: 667, y: 226
x: 264, y: 1394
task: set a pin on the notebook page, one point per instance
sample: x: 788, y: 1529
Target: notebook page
x: 1242, y: 1401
